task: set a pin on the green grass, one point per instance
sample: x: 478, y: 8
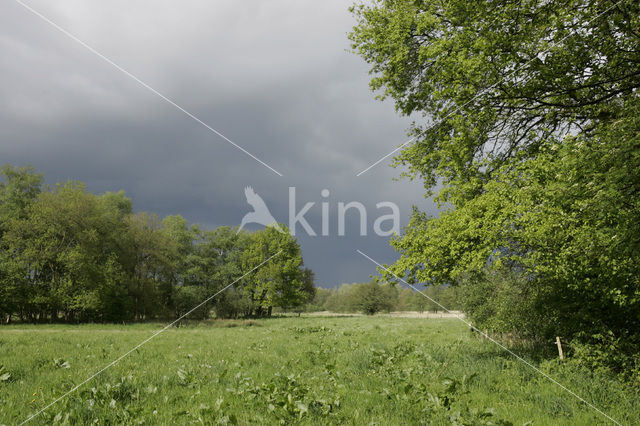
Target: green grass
x: 354, y: 370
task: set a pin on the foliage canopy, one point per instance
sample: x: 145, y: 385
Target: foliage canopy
x: 67, y: 254
x: 531, y: 145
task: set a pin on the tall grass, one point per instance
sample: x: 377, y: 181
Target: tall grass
x: 353, y: 370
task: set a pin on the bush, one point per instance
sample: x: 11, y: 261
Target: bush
x: 371, y: 298
x: 508, y: 301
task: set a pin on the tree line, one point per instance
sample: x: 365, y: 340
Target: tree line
x: 374, y: 297
x: 67, y: 254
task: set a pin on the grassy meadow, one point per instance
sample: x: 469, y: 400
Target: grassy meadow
x: 307, y: 370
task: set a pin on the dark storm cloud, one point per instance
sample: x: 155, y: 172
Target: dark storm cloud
x: 275, y: 77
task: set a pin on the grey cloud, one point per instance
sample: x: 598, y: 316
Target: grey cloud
x: 274, y: 77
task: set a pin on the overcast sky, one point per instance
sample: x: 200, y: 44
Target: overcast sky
x: 275, y: 77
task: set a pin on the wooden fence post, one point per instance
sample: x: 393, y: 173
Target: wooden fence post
x: 560, y: 353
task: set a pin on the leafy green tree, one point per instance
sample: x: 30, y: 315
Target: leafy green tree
x: 281, y: 281
x: 498, y: 78
x: 341, y: 298
x: 214, y: 263
x: 410, y: 300
x: 319, y: 302
x: 178, y: 237
x: 532, y: 150
x: 19, y: 188
x: 309, y: 288
x: 148, y: 264
x: 372, y: 297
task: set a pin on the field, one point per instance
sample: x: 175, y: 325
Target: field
x: 309, y: 370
